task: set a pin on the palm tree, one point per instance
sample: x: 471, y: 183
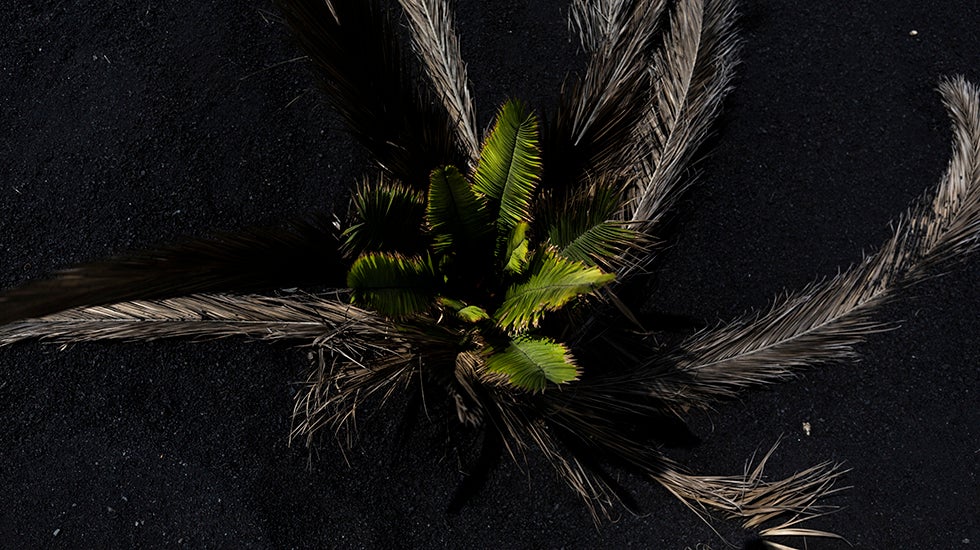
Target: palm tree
x: 496, y: 272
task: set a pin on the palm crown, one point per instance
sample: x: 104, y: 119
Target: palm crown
x: 494, y: 272
x: 466, y: 255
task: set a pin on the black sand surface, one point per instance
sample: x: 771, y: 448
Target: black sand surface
x: 132, y: 123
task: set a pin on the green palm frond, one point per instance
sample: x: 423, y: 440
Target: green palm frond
x: 392, y: 284
x: 554, y: 281
x: 601, y: 243
x: 456, y: 215
x: 510, y: 164
x: 388, y: 217
x: 584, y: 227
x: 530, y: 363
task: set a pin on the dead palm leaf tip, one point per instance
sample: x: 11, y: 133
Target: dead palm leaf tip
x: 489, y: 269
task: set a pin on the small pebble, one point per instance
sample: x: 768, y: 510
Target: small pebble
x: 913, y: 32
x: 56, y: 531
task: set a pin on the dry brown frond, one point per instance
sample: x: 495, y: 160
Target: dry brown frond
x: 599, y: 114
x: 297, y: 317
x: 256, y: 259
x: 754, y: 501
x: 523, y: 428
x: 690, y: 74
x: 469, y: 378
x: 596, y: 21
x: 341, y: 383
x: 436, y: 43
x: 345, y: 379
x: 826, y: 319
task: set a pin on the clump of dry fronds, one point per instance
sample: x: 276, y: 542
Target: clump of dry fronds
x: 621, y: 136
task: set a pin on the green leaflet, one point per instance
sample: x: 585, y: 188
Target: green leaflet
x: 554, y: 281
x: 516, y: 255
x: 473, y: 314
x: 530, y: 363
x: 470, y: 314
x: 392, y: 284
x: 451, y: 303
x: 455, y: 214
x: 510, y: 164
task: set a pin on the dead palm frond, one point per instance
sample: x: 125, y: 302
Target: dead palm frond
x: 484, y: 268
x: 373, y: 85
x: 823, y: 321
x: 252, y: 260
x: 751, y: 499
x: 691, y: 74
x: 595, y: 21
x: 342, y: 383
x: 437, y: 45
x: 598, y: 115
x: 325, y: 320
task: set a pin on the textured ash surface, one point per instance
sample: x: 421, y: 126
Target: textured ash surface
x: 127, y: 124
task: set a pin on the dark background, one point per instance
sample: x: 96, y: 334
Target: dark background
x: 132, y: 123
